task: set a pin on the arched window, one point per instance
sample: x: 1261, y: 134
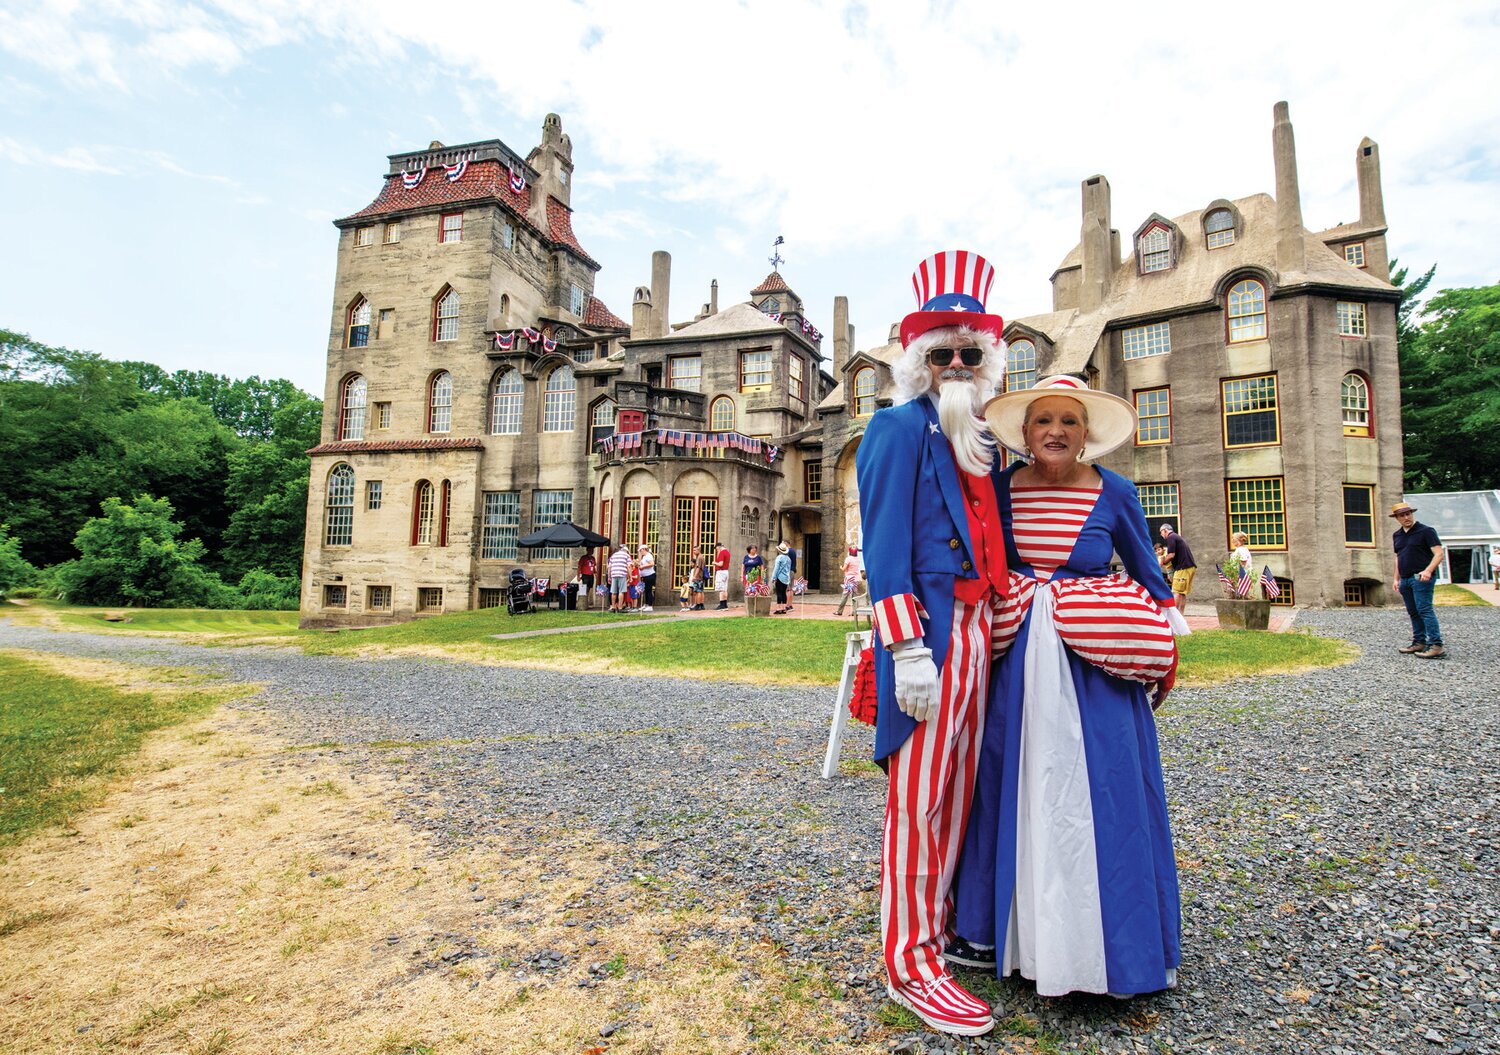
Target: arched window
x: 1218, y: 229
x: 1246, y: 310
x: 1354, y: 394
x: 421, y: 514
x: 1155, y: 250
x: 339, y: 509
x: 359, y: 324
x: 352, y: 408
x: 445, y: 316
x: 504, y: 307
x: 558, y: 400
x: 601, y: 421
x: 1020, y: 365
x: 864, y: 391
x: 721, y: 415
x: 445, y: 504
x: 440, y: 402
x: 507, y: 395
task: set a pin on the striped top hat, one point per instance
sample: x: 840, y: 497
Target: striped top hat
x: 951, y: 290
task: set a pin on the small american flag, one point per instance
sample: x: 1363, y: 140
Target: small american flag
x: 1268, y: 583
x: 1247, y: 579
x: 1224, y: 579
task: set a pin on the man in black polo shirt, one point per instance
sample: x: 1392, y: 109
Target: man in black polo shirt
x: 1184, y: 568
x: 1418, y: 553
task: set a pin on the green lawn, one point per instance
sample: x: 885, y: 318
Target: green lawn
x: 1449, y: 595
x: 461, y: 628
x: 61, y: 737
x: 181, y: 620
x: 1208, y: 657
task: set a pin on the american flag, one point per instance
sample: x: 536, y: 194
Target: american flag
x: 1224, y: 579
x: 1247, y: 579
x: 1268, y: 583
x: 456, y: 172
x: 409, y: 180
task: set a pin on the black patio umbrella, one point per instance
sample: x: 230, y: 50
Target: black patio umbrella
x: 563, y: 533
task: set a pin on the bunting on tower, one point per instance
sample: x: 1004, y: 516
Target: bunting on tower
x: 410, y: 180
x: 517, y: 182
x: 456, y: 172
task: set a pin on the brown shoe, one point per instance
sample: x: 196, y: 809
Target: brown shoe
x: 1415, y: 646
x: 1433, y: 652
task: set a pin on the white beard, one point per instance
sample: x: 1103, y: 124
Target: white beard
x: 959, y: 404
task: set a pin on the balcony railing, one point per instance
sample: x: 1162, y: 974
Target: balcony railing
x: 708, y: 446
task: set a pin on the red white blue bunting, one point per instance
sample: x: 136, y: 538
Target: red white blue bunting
x: 811, y: 330
x: 517, y: 182
x: 531, y: 335
x: 548, y: 344
x: 774, y: 316
x: 456, y: 172
x: 772, y: 451
x: 410, y: 180
x: 505, y: 341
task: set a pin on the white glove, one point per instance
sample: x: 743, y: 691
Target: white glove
x: 916, y: 680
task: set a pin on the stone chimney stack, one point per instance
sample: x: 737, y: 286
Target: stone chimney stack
x: 713, y: 297
x: 553, y: 160
x: 640, y: 313
x: 1291, y: 250
x: 1371, y: 197
x: 661, y: 282
x: 1098, y: 262
x: 853, y: 348
x: 840, y: 334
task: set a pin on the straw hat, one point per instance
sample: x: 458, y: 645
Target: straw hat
x: 782, y: 547
x: 1402, y: 507
x: 1112, y: 421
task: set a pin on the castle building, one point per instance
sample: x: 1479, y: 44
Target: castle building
x: 477, y: 390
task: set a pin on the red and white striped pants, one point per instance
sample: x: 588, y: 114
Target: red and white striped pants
x: 927, y: 806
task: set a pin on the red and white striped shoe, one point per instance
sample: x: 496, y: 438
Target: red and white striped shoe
x: 944, y: 1005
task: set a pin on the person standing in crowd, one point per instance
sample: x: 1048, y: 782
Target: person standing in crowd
x: 1183, y: 566
x: 851, y: 579
x: 1068, y: 873
x: 697, y: 577
x: 619, y: 574
x: 647, y: 562
x: 781, y: 579
x: 1165, y: 561
x: 586, y: 569
x: 1239, y: 549
x: 753, y: 565
x: 1419, y: 551
x: 1495, y: 565
x: 935, y: 557
x: 721, y: 574
x: 633, y: 586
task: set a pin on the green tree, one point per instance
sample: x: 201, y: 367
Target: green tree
x: 1450, y: 393
x: 14, y: 569
x: 267, y: 490
x: 132, y: 555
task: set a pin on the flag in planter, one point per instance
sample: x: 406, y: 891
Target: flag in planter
x: 1247, y: 579
x: 1224, y: 579
x: 1268, y: 583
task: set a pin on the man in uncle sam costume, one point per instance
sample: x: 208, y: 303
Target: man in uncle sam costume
x: 935, y: 560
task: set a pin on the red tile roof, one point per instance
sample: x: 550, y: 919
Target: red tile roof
x: 774, y: 283
x: 363, y: 446
x: 560, y: 219
x: 481, y: 181
x: 600, y: 317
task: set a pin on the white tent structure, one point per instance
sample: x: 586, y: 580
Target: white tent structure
x: 1468, y: 522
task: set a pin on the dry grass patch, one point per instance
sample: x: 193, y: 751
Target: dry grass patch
x: 233, y: 896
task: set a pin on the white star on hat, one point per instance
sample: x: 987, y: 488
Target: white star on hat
x: 958, y: 305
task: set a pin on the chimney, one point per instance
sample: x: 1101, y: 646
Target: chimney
x: 1371, y: 197
x: 640, y: 314
x: 853, y: 348
x: 661, y: 281
x: 713, y: 297
x: 840, y: 334
x: 1098, y: 265
x: 1291, y: 250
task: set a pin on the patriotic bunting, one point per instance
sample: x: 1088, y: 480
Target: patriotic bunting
x: 409, y: 180
x: 517, y: 182
x: 456, y: 172
x: 531, y: 335
x: 771, y: 452
x: 1268, y: 584
x: 811, y: 330
x: 505, y: 341
x: 548, y: 344
x: 774, y: 316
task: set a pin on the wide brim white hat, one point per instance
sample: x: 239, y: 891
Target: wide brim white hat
x: 1112, y: 421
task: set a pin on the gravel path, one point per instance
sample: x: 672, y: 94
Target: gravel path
x: 1336, y: 830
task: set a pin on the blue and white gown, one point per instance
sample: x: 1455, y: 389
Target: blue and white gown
x: 1067, y: 864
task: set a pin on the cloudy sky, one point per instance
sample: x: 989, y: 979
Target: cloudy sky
x: 168, y: 170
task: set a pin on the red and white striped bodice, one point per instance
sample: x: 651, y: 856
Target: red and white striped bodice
x: 1045, y: 522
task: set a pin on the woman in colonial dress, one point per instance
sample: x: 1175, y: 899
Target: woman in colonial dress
x: 1067, y: 873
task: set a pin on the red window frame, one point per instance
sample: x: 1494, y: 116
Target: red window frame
x: 458, y: 234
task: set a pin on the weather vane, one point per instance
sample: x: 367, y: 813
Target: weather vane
x: 776, y: 258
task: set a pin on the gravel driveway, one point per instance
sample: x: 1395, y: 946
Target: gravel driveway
x: 1336, y: 830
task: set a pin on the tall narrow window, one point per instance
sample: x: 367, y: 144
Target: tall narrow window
x: 796, y: 384
x: 721, y: 415
x: 373, y: 491
x: 601, y: 422
x: 548, y: 508
x: 1155, y: 248
x: 507, y: 236
x: 440, y: 402
x: 387, y: 327
x: 1251, y: 416
x: 452, y: 229
x: 352, y: 408
x: 755, y: 370
x: 1020, y: 365
x: 1351, y: 316
x: 501, y: 526
x: 864, y: 391
x: 682, y: 540
x: 632, y: 523
x: 364, y: 236
x: 1246, y: 310
x: 340, y: 507
x: 359, y: 324
x: 1153, y: 408
x: 685, y: 372
x: 507, y: 395
x: 575, y: 300
x: 651, y: 524
x: 421, y: 514
x: 1256, y: 507
x: 558, y: 400
x: 1218, y: 229
x: 445, y: 511
x: 812, y: 478
x: 393, y: 232
x: 1138, y: 342
x: 708, y: 526
x: 1359, y: 515
x: 445, y: 316
x: 1354, y: 395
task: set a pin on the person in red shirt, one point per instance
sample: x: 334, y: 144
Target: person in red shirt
x: 586, y: 569
x: 721, y: 573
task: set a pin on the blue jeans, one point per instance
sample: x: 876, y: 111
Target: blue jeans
x: 1418, y: 597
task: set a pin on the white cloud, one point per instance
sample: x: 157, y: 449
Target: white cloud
x: 78, y: 159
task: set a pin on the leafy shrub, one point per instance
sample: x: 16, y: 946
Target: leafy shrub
x: 264, y: 591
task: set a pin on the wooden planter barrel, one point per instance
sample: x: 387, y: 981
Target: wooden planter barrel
x: 1243, y: 613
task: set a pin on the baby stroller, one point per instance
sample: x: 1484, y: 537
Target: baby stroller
x: 518, y: 596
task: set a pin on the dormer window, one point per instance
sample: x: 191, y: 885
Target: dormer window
x: 1218, y: 229
x: 1154, y: 249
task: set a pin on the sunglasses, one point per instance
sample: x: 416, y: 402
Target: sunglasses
x: 971, y: 356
